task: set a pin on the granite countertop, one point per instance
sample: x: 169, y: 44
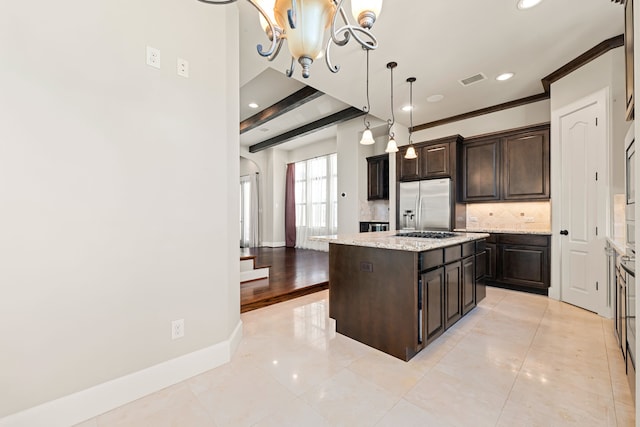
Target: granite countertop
x: 388, y: 240
x: 504, y: 230
x: 618, y: 244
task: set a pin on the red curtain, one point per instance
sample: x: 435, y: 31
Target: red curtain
x: 290, y: 207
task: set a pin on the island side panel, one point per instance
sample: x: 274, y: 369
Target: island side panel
x: 373, y: 296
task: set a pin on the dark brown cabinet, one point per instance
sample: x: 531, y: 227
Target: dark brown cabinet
x: 453, y: 293
x: 519, y: 261
x: 468, y: 284
x: 480, y: 167
x: 506, y: 166
x: 433, y: 302
x: 525, y: 166
x: 435, y: 159
x: 378, y: 177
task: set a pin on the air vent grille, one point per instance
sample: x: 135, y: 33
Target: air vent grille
x: 473, y: 79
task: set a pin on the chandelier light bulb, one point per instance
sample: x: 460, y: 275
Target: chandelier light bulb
x: 367, y: 138
x: 365, y: 12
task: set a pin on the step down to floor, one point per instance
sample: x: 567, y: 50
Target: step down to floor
x: 248, y: 270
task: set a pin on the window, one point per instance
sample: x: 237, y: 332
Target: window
x: 316, y: 191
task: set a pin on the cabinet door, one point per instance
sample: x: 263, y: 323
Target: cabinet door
x: 409, y: 169
x: 434, y: 161
x: 468, y: 284
x: 525, y: 166
x: 481, y: 268
x: 480, y: 171
x: 524, y: 265
x: 453, y: 293
x: 491, y: 267
x: 378, y: 178
x: 433, y: 304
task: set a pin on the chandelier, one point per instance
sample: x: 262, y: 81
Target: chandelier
x: 303, y: 24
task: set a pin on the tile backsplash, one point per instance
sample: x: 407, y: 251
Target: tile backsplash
x: 374, y: 210
x: 535, y: 216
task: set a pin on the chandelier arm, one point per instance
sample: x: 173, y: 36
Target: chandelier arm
x: 218, y: 1
x: 292, y: 15
x: 334, y: 33
x: 276, y: 33
x: 291, y: 69
x: 327, y: 57
x: 277, y: 51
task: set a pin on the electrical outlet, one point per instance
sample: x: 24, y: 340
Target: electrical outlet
x: 177, y: 329
x: 153, y: 57
x: 183, y: 68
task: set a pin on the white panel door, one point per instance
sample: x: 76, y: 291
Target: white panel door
x: 584, y: 161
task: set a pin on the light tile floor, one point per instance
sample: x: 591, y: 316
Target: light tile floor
x: 515, y: 360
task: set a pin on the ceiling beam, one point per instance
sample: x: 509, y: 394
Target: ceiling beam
x: 281, y: 107
x: 333, y: 119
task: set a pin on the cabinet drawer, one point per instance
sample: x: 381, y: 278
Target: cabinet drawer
x: 524, y: 239
x: 493, y: 238
x: 468, y: 248
x: 431, y: 259
x: 481, y: 245
x: 452, y: 253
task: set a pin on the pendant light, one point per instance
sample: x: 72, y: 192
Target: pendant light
x: 411, y: 152
x: 392, y: 147
x: 367, y: 136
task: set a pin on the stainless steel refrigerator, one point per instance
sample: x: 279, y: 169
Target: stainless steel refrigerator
x: 425, y: 205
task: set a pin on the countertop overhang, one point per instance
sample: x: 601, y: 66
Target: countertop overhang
x: 389, y: 240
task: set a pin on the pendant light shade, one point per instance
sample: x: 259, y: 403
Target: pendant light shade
x: 411, y: 153
x: 392, y: 147
x: 365, y: 12
x: 367, y: 138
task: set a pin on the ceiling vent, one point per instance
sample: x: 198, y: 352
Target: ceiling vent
x: 473, y: 79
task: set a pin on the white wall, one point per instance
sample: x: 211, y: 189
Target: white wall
x: 317, y: 149
x: 118, y: 187
x: 248, y: 167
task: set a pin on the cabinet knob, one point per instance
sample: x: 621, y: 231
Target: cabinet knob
x: 564, y: 232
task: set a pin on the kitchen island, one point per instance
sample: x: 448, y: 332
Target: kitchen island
x: 398, y: 294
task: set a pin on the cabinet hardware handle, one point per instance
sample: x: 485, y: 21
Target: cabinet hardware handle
x: 564, y: 232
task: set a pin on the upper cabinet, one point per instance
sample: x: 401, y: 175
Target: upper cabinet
x: 480, y: 169
x: 378, y: 177
x: 436, y: 159
x: 507, y: 166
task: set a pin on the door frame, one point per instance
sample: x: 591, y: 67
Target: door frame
x: 601, y: 98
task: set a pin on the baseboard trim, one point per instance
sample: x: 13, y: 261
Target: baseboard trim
x: 273, y: 244
x: 89, y: 403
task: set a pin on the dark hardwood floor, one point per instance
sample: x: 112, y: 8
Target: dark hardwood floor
x: 292, y: 273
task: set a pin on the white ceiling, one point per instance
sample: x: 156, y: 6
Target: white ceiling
x: 437, y: 41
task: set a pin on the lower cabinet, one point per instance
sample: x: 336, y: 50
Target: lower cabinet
x: 519, y: 261
x: 453, y: 293
x: 432, y: 303
x: 468, y: 284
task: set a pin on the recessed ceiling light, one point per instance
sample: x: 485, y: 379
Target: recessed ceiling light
x: 253, y: 105
x: 504, y: 76
x: 435, y: 98
x: 527, y: 4
x: 407, y: 108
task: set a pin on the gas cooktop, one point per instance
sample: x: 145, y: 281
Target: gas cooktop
x: 427, y: 234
